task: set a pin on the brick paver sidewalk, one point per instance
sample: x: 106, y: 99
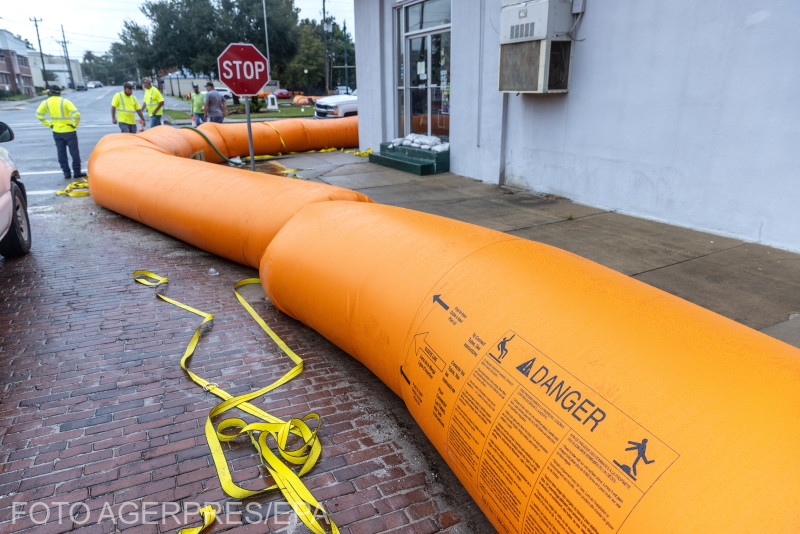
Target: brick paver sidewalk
x: 97, y: 414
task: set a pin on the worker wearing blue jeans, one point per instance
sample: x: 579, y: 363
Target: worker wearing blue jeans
x: 61, y: 115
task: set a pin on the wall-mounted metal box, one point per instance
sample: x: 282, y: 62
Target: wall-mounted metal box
x: 535, y: 46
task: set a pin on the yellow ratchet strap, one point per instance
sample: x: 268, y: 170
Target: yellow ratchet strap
x: 208, y: 514
x: 303, y: 452
x: 78, y: 188
x: 277, y: 132
x: 363, y: 153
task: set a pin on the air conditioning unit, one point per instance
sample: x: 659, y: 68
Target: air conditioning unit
x: 535, y: 46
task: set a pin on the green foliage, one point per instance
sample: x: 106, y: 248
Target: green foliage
x: 9, y: 94
x: 182, y: 35
x: 243, y: 21
x: 88, y: 65
x: 341, y: 50
x: 190, y: 34
x: 177, y: 114
x: 121, y: 64
x: 284, y: 112
x: 311, y: 57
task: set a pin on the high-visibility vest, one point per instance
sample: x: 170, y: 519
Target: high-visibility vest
x: 126, y: 107
x: 152, y: 97
x: 198, y: 100
x: 64, y: 116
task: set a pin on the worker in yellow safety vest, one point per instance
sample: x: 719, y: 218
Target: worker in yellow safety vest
x: 154, y: 102
x: 198, y: 100
x: 64, y: 120
x: 125, y: 105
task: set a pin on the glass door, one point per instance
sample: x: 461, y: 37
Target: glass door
x: 423, y: 68
x: 439, y: 88
x: 418, y: 84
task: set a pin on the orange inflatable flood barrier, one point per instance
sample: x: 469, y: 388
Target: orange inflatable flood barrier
x: 305, y: 100
x: 566, y: 397
x: 228, y: 211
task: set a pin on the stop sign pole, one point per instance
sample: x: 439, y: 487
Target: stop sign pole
x: 244, y: 70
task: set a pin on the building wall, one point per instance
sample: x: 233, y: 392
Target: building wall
x: 6, y: 70
x: 57, y: 65
x: 17, y: 73
x: 685, y: 112
x: 374, y: 57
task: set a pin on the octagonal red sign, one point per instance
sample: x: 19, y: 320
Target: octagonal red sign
x: 243, y: 68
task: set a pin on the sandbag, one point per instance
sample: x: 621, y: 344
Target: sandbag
x: 565, y: 396
x: 231, y: 212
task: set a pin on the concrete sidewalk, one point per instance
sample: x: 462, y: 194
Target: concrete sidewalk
x: 753, y: 284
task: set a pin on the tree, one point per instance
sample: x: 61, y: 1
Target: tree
x: 137, y: 43
x: 338, y: 42
x: 89, y: 60
x: 243, y: 21
x: 182, y: 34
x: 121, y: 64
x: 190, y: 34
x: 310, y: 57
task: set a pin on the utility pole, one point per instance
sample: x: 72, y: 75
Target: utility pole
x: 346, y: 71
x: 41, y: 55
x: 66, y: 57
x: 325, y: 35
x: 266, y: 38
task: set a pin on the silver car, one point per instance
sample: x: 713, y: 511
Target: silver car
x: 15, y: 228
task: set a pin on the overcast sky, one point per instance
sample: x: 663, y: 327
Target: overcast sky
x: 95, y: 24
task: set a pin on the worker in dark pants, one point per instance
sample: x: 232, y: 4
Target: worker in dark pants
x: 63, y: 119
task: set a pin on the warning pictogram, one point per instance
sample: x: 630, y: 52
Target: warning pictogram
x: 641, y: 450
x: 501, y: 348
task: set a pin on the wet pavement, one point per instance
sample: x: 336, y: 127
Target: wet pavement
x: 96, y: 412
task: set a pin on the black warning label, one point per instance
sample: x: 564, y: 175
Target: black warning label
x: 536, y: 445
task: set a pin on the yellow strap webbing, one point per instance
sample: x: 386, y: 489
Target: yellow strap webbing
x: 283, y: 144
x: 310, y: 512
x: 363, y: 153
x: 208, y: 514
x: 78, y: 188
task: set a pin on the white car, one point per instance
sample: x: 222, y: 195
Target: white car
x: 15, y: 228
x: 225, y: 92
x: 337, y: 106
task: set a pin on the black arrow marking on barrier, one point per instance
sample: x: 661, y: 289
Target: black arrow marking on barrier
x: 437, y: 299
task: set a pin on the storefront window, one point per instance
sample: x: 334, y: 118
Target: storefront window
x: 427, y: 14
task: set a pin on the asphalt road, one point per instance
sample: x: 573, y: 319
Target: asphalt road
x: 34, y: 151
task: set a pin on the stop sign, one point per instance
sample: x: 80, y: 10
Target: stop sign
x: 243, y: 69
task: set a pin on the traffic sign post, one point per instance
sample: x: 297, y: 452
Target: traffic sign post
x: 244, y: 70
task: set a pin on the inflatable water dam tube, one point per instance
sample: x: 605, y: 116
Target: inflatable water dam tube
x: 305, y: 100
x: 565, y: 396
x: 228, y: 211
